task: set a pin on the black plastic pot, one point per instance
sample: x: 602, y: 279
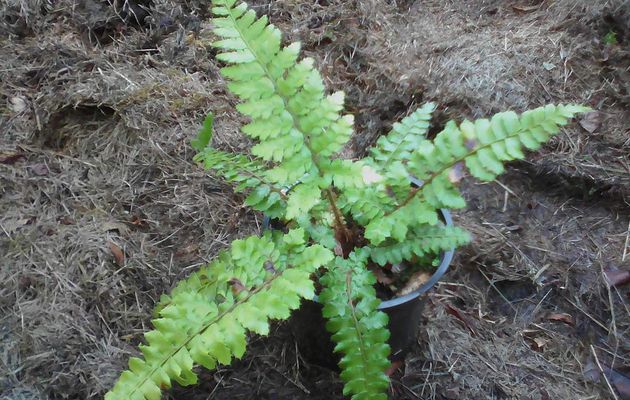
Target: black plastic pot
x: 404, y: 313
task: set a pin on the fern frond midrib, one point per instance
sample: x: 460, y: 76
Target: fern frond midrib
x: 172, y: 353
x: 355, y: 320
x: 275, y: 86
x: 450, y: 165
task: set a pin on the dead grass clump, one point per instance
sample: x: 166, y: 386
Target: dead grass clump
x: 496, y: 362
x: 101, y: 206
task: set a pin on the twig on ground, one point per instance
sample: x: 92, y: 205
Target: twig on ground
x: 599, y: 366
x: 625, y: 245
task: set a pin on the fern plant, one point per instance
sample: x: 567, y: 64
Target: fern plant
x: 344, y: 218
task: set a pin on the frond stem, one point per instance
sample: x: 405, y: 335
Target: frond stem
x: 354, y: 316
x: 337, y: 213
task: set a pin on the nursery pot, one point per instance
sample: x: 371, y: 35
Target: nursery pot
x: 404, y: 312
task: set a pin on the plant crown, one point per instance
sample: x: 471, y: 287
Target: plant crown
x: 342, y: 216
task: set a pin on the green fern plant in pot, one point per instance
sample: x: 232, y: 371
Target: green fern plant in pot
x: 353, y: 230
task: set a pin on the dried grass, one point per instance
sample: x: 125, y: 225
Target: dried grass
x: 112, y: 127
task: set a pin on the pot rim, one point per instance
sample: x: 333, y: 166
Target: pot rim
x: 445, y: 262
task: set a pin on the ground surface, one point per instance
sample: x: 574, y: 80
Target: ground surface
x: 102, y: 209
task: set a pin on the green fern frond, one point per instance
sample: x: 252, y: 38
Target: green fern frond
x: 246, y: 174
x: 421, y: 241
x: 298, y: 127
x: 205, y: 319
x: 319, y: 225
x: 404, y: 138
x: 482, y: 147
x: 367, y: 203
x: 235, y: 168
x: 359, y: 329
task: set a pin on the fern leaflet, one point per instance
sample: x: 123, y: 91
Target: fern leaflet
x: 358, y: 328
x: 366, y: 204
x: 205, y: 134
